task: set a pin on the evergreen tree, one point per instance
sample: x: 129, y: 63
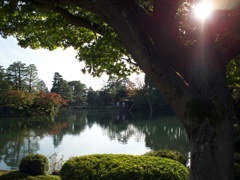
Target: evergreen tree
x: 61, y: 86
x: 65, y: 90
x: 41, y: 86
x: 57, y: 80
x: 32, y: 78
x: 93, y: 98
x: 79, y: 92
x: 17, y: 73
x: 5, y: 85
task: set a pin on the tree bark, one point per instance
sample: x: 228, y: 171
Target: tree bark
x: 209, y: 118
x: 198, y: 94
x: 212, y: 152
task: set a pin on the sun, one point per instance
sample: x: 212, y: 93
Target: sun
x: 203, y: 10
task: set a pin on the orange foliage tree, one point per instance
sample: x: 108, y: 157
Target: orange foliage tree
x: 34, y: 103
x: 48, y: 102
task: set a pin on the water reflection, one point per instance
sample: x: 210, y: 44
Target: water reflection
x: 79, y: 132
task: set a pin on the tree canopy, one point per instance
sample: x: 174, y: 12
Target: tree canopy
x: 184, y: 57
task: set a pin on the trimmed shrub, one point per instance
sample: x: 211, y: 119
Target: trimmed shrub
x: 34, y: 165
x: 164, y: 153
x: 117, y: 166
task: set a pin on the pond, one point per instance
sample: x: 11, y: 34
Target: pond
x: 83, y: 132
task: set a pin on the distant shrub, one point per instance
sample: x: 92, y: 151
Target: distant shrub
x: 34, y: 165
x: 175, y: 155
x: 117, y: 166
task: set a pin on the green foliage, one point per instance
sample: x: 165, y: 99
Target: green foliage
x: 17, y: 73
x: 5, y: 85
x: 233, y: 73
x: 16, y: 175
x: 28, y: 103
x: 93, y: 98
x: 101, y: 50
x: 110, y: 166
x: 19, y: 99
x: 149, y: 95
x: 79, y: 93
x: 34, y: 165
x: 105, y: 54
x: 164, y: 153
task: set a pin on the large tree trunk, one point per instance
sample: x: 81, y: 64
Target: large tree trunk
x: 212, y: 151
x: 192, y: 82
x: 209, y: 119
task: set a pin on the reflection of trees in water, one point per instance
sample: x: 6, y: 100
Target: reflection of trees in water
x: 114, y: 123
x: 72, y: 122
x: 159, y: 132
x: 20, y: 136
x: 15, y: 150
x: 16, y: 141
x: 123, y: 135
x: 164, y: 132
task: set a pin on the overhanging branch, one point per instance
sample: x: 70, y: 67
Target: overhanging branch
x: 75, y: 20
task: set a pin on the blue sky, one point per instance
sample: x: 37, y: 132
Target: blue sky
x: 48, y: 62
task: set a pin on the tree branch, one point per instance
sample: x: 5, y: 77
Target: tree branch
x: 75, y: 20
x: 164, y: 31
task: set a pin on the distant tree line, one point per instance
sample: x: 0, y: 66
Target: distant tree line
x: 141, y: 94
x: 22, y: 91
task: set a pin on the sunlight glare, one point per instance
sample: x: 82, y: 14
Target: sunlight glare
x: 203, y: 10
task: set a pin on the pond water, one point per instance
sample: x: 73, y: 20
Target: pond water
x: 83, y: 132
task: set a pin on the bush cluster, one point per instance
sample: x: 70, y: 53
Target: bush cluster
x: 34, y: 165
x: 117, y: 166
x: 175, y: 155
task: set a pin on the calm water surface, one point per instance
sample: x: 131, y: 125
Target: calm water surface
x: 82, y: 132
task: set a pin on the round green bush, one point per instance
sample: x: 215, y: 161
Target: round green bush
x: 175, y: 155
x: 117, y: 166
x: 34, y: 165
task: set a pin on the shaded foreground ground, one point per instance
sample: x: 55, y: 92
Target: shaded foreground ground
x: 10, y: 175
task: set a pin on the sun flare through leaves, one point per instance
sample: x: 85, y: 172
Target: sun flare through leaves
x: 203, y: 10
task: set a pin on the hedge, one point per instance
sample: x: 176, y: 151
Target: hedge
x: 117, y: 166
x: 164, y: 153
x: 36, y: 164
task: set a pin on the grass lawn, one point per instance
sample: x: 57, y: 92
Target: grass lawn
x: 16, y: 175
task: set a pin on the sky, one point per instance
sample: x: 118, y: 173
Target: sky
x: 49, y: 62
